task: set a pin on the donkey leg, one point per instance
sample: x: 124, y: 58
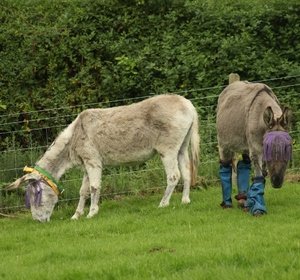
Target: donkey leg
x: 225, y: 173
x: 94, y: 174
x: 173, y: 175
x: 255, y: 202
x: 243, y: 178
x: 84, y: 194
x: 257, y: 164
x: 184, y: 166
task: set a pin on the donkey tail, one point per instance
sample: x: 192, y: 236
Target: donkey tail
x: 195, y: 148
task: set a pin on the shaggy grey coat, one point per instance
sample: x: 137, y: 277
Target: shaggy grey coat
x: 245, y: 112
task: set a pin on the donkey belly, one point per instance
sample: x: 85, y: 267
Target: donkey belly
x: 127, y: 157
x: 234, y: 146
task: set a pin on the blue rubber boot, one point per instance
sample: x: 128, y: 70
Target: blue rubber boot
x: 225, y: 176
x: 255, y: 202
x: 243, y: 177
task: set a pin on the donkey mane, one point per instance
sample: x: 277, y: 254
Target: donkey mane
x: 263, y: 88
x: 246, y: 90
x: 59, y: 152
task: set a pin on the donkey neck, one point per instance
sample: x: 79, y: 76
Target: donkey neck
x: 263, y: 101
x: 56, y: 166
x: 57, y: 159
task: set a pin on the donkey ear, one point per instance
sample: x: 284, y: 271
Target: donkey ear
x: 19, y: 182
x: 286, y: 118
x: 269, y: 117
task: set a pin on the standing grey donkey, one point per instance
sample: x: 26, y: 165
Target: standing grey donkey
x: 250, y: 121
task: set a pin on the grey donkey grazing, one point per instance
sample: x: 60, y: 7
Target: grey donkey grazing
x: 163, y: 124
x: 250, y: 121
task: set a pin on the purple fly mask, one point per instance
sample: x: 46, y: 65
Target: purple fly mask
x: 277, y: 145
x: 36, y: 189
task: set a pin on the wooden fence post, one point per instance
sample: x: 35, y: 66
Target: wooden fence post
x: 233, y: 77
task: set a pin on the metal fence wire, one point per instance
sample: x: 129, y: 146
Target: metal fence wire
x: 24, y: 137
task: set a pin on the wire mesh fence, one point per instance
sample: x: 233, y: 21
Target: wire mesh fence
x: 25, y: 136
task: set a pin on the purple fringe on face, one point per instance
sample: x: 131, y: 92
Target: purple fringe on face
x: 36, y: 188
x: 277, y: 145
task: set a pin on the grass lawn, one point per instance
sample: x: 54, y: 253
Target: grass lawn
x: 133, y: 239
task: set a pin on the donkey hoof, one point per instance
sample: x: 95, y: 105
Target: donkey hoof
x: 225, y: 206
x: 185, y: 200
x: 163, y: 204
x: 258, y: 213
x: 91, y: 215
x: 241, y: 203
x: 74, y: 217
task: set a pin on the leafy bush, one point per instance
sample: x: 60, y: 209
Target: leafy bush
x: 57, y: 55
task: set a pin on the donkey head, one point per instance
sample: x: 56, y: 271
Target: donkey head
x: 39, y: 197
x: 277, y: 145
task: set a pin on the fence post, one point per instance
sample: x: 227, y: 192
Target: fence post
x: 234, y: 77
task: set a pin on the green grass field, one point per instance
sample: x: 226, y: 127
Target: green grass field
x: 133, y: 239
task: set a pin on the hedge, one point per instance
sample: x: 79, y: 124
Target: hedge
x: 64, y: 54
